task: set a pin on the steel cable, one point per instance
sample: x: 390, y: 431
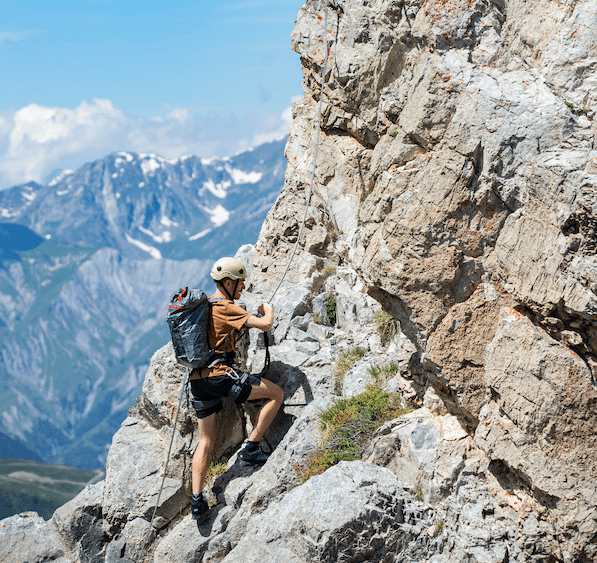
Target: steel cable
x: 323, y: 74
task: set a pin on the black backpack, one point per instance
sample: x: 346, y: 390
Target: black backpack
x: 188, y: 318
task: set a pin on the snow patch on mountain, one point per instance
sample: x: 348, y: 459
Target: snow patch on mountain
x: 150, y: 166
x: 209, y: 161
x: 240, y: 177
x: 219, y: 190
x: 151, y: 250
x: 166, y: 236
x: 167, y: 222
x: 60, y: 177
x: 127, y: 156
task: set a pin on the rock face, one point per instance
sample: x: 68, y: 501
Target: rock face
x: 456, y: 176
x: 454, y: 190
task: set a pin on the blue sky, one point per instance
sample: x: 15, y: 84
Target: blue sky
x: 81, y: 79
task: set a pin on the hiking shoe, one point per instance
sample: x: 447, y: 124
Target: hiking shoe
x: 199, y: 509
x: 256, y: 457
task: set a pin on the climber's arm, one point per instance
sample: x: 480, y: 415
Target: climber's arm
x: 265, y: 322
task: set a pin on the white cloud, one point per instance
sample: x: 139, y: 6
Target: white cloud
x: 273, y: 131
x: 42, y: 139
x: 37, y: 140
x: 8, y: 37
x: 5, y: 126
x: 180, y: 114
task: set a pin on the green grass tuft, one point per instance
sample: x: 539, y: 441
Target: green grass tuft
x: 386, y: 326
x: 382, y: 373
x: 418, y: 492
x: 348, y: 427
x: 344, y: 362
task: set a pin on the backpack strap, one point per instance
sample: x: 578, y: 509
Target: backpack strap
x: 226, y: 357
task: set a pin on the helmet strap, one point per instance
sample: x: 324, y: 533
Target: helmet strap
x: 223, y: 288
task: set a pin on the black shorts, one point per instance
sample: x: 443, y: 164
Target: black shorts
x: 216, y: 387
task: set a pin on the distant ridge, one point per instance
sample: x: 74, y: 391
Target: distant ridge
x: 88, y: 263
x: 10, y: 448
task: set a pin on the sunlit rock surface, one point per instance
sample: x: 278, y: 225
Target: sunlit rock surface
x: 454, y: 189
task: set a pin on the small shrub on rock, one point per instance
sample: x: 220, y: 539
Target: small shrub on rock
x: 344, y: 362
x: 330, y: 309
x: 386, y: 326
x: 348, y: 427
x: 382, y: 373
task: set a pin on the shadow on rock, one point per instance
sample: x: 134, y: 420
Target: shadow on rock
x: 230, y: 487
x: 297, y: 392
x: 207, y: 527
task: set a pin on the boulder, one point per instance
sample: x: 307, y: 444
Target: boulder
x: 425, y: 451
x: 351, y: 512
x: 28, y: 538
x: 81, y: 525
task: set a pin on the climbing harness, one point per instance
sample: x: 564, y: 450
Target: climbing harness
x: 243, y: 377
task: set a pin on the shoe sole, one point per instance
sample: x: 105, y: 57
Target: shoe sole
x: 201, y: 518
x: 251, y: 463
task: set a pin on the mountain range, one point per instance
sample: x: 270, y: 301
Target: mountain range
x: 87, y: 266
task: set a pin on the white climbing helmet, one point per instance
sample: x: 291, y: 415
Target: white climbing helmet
x: 228, y: 268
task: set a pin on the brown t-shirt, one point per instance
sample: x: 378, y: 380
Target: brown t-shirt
x: 225, y: 316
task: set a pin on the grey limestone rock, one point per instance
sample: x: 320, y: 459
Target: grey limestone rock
x: 28, y: 538
x: 358, y: 378
x: 81, y: 525
x: 187, y: 541
x: 427, y: 452
x: 351, y: 512
x: 457, y: 176
x: 126, y: 548
x: 251, y: 494
x: 455, y: 190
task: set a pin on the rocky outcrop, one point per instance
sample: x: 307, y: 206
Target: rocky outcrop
x: 28, y: 537
x: 454, y: 190
x: 456, y: 176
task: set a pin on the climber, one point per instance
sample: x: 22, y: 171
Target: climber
x: 210, y: 384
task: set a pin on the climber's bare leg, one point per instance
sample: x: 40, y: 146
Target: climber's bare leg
x: 274, y: 396
x: 201, y: 457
